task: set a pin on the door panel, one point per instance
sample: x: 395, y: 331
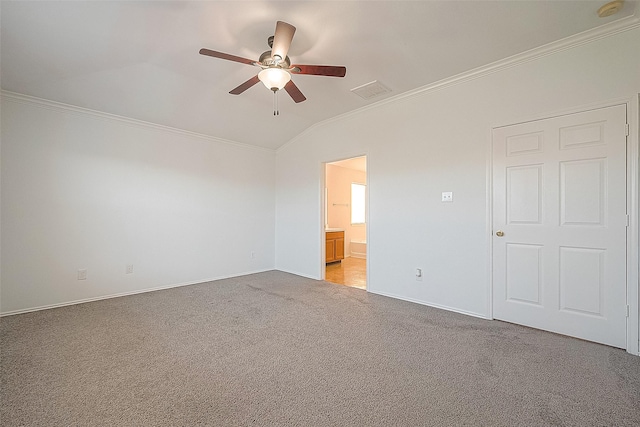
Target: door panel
x: 524, y: 194
x: 582, y: 192
x: 524, y: 273
x: 560, y: 201
x: 339, y: 248
x: 330, y: 246
x: 581, y: 280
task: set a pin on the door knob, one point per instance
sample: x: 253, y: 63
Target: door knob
x: 499, y: 233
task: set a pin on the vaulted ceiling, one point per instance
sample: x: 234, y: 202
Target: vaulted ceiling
x: 140, y: 59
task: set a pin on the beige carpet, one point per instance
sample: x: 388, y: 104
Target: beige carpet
x: 273, y: 349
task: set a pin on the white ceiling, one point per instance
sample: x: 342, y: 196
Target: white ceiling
x: 140, y: 59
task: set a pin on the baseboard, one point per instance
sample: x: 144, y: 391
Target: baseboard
x: 307, y: 276
x: 440, y: 306
x: 124, y: 294
x: 159, y: 288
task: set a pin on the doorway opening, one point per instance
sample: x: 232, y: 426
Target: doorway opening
x: 345, y: 222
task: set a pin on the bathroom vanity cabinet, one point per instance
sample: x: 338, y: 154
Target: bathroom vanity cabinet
x: 335, y: 246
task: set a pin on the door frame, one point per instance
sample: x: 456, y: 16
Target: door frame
x: 323, y: 201
x: 633, y: 193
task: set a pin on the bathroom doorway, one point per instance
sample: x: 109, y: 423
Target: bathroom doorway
x: 345, y: 222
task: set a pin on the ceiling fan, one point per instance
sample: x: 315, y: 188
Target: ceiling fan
x: 276, y: 66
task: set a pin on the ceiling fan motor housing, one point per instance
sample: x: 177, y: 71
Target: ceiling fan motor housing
x: 267, y: 61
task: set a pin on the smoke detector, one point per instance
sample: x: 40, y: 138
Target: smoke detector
x: 610, y: 8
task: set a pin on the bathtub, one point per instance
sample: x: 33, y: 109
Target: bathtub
x: 359, y: 248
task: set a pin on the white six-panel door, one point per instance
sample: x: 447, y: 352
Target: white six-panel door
x: 559, y: 225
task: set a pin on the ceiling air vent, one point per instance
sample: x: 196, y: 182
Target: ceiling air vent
x: 370, y: 90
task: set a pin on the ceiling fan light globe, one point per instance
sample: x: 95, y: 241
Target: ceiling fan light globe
x: 274, y: 78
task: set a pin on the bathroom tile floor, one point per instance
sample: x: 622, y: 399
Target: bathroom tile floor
x: 350, y: 272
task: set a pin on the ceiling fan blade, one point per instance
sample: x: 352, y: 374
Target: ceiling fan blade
x: 319, y: 70
x: 282, y: 39
x: 294, y: 92
x: 226, y: 56
x: 244, y: 86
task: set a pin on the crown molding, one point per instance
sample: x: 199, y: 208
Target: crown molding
x: 59, y: 106
x: 607, y: 30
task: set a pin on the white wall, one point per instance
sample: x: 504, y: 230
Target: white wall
x: 338, y: 180
x: 83, y: 190
x: 434, y: 141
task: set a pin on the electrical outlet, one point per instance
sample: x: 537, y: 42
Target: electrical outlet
x: 82, y: 274
x: 447, y: 196
x: 419, y: 274
x: 129, y: 269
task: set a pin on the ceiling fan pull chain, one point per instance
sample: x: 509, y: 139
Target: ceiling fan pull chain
x: 276, y: 112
